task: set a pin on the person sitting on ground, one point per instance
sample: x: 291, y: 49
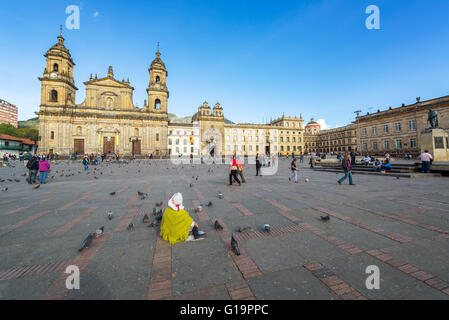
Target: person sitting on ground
x: 176, y: 222
x: 377, y: 165
x: 386, y: 166
x: 366, y: 160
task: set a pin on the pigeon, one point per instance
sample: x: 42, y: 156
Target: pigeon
x: 16, y: 180
x: 325, y: 218
x: 110, y: 215
x: 145, y: 218
x: 307, y: 180
x: 267, y: 227
x: 217, y: 225
x: 112, y: 193
x: 5, y: 189
x: 99, y: 232
x: 235, y: 245
x: 36, y: 187
x: 158, y: 204
x: 140, y: 193
x: 154, y: 211
x: 245, y: 229
x: 130, y: 227
x: 159, y: 216
x: 152, y: 225
x: 96, y: 177
x: 209, y: 204
x: 191, y: 185
x: 10, y: 180
x: 86, y: 243
x: 197, y: 178
x: 198, y: 209
x: 23, y: 175
x: 220, y: 195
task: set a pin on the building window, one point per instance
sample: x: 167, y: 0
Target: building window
x: 52, y: 135
x: 365, y: 147
x: 398, y: 144
x: 158, y: 79
x: 185, y: 141
x: 385, y: 128
x: 54, y: 96
x: 177, y: 141
x: 386, y: 145
x: 157, y: 104
x: 374, y: 130
x: 55, y: 67
x: 364, y: 132
x: 412, y: 125
x: 228, y: 148
x: 157, y: 136
x: 374, y: 145
x: 257, y: 148
x: 397, y: 127
x: 227, y: 138
x: 250, y: 148
x: 191, y: 149
x: 412, y: 143
x: 169, y: 142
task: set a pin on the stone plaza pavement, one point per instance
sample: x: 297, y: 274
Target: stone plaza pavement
x: 399, y: 225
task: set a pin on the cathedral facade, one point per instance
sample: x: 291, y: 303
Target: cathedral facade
x: 107, y: 121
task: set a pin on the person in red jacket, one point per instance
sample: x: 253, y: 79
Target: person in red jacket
x: 44, y: 166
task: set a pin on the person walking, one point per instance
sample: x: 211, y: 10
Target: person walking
x: 311, y: 161
x: 86, y: 163
x: 426, y: 161
x: 233, y: 171
x: 346, y: 165
x: 240, y: 170
x: 33, y: 167
x: 294, y: 171
x: 44, y: 166
x: 258, y: 165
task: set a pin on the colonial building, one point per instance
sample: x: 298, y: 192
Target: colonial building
x: 342, y: 139
x: 398, y: 130
x: 311, y: 132
x: 107, y: 121
x: 14, y: 145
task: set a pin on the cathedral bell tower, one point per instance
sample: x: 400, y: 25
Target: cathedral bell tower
x: 157, y: 89
x: 57, y: 84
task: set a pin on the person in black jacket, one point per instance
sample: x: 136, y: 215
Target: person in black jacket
x: 258, y: 165
x: 33, y: 167
x: 346, y: 165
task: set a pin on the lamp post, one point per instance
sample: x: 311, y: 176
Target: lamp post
x: 358, y: 134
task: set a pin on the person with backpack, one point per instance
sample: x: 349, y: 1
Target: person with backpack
x: 346, y: 165
x: 33, y: 167
x: 233, y: 171
x: 240, y: 170
x: 44, y: 166
x: 294, y: 171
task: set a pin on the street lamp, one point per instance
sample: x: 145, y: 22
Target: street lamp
x: 358, y: 137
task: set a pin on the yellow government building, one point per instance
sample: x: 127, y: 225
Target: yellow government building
x: 107, y: 121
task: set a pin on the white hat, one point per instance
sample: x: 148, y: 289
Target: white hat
x: 176, y: 202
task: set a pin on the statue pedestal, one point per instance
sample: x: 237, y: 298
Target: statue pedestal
x: 435, y: 140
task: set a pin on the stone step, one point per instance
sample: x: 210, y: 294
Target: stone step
x: 415, y: 175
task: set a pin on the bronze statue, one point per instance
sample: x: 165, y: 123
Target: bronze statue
x: 432, y: 118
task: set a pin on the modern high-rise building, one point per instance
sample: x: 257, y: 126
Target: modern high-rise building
x: 8, y: 113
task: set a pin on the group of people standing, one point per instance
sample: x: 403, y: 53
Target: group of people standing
x: 37, y: 164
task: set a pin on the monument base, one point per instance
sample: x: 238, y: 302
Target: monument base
x: 435, y: 141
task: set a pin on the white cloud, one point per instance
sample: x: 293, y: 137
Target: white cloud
x: 96, y: 14
x: 323, y: 124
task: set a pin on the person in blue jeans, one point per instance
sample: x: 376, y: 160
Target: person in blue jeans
x: 86, y: 163
x: 346, y: 164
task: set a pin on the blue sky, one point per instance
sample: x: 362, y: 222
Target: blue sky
x: 257, y: 58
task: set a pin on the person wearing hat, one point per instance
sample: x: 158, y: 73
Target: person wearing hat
x: 177, y: 224
x: 44, y: 166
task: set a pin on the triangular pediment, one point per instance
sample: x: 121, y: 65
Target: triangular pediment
x: 107, y: 82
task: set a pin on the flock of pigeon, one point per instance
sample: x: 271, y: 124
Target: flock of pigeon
x: 157, y: 214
